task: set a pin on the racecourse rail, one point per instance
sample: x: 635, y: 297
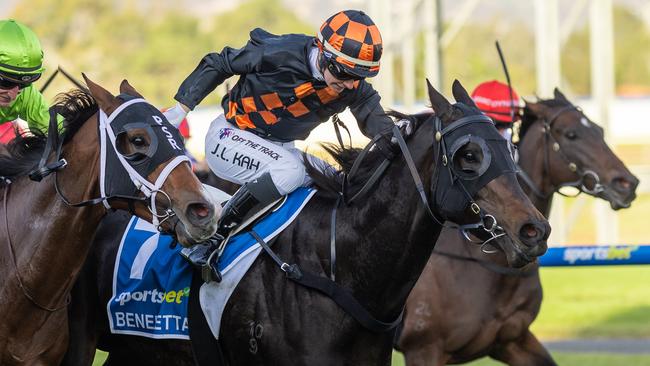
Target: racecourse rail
x: 596, y: 255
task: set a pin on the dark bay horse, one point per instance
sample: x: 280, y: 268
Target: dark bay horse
x: 466, y: 305
x: 45, y: 239
x: 382, y: 246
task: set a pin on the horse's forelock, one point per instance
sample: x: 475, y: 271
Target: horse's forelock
x: 529, y: 117
x: 76, y: 107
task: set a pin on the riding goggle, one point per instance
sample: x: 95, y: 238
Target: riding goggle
x: 8, y: 84
x: 339, y: 72
x: 10, y: 81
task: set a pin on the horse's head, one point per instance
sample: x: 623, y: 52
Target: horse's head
x: 574, y: 152
x: 141, y: 148
x: 475, y: 183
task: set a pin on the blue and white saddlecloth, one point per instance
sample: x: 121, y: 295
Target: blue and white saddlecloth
x: 151, y: 281
x: 151, y: 285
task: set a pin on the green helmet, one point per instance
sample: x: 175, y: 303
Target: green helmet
x: 21, y: 55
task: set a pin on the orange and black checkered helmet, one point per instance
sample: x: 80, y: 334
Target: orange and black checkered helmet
x: 351, y: 40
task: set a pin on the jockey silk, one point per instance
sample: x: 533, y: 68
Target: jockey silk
x: 277, y: 97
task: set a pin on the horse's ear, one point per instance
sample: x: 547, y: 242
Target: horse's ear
x: 461, y: 95
x: 126, y: 88
x: 560, y: 96
x: 538, y: 109
x: 439, y: 103
x: 105, y: 100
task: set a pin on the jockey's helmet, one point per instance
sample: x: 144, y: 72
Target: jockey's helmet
x: 21, y: 55
x: 351, y: 45
x: 494, y: 99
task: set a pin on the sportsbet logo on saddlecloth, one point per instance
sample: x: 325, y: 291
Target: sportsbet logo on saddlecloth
x: 154, y: 296
x: 151, y: 285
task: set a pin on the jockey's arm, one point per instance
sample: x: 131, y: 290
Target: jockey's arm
x: 214, y: 69
x: 33, y: 108
x: 370, y: 115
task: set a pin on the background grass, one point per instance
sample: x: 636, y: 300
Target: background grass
x: 595, y: 302
x: 573, y: 359
x: 585, y: 302
x: 569, y: 359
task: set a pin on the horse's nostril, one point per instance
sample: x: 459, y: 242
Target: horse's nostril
x: 199, y: 210
x: 529, y: 231
x: 622, y: 184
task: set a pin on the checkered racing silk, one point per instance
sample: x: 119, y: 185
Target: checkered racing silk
x: 277, y: 96
x: 353, y: 41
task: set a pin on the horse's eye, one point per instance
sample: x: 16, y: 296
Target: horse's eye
x: 571, y: 135
x: 138, y: 141
x: 470, y: 157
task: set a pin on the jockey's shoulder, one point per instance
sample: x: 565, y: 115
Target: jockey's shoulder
x: 261, y: 36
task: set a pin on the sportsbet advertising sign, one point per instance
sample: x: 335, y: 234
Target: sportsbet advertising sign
x: 596, y: 255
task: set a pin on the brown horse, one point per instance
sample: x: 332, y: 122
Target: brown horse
x: 44, y: 239
x: 466, y: 305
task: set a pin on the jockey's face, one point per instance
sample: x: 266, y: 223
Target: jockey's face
x: 337, y: 84
x: 7, y: 96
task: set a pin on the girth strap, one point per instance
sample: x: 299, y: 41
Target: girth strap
x: 330, y: 288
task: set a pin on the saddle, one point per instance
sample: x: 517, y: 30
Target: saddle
x: 204, y: 256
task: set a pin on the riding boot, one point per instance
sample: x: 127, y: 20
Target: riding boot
x: 249, y: 199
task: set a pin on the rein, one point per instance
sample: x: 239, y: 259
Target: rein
x: 28, y: 294
x: 490, y: 266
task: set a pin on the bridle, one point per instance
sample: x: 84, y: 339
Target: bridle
x: 54, y: 143
x: 551, y: 143
x: 486, y: 223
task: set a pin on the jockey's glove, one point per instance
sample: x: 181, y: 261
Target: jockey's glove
x: 175, y: 114
x: 388, y: 145
x: 406, y: 128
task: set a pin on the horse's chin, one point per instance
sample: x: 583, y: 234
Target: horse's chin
x: 515, y: 256
x: 196, y: 235
x: 616, y: 200
x: 518, y: 260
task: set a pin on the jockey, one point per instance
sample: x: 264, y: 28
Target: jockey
x: 288, y: 84
x: 496, y: 100
x: 21, y: 63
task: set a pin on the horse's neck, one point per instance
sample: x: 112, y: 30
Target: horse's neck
x: 532, y: 161
x: 388, y: 238
x: 50, y: 238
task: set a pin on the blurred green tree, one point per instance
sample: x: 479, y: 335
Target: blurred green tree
x: 156, y: 44
x: 153, y: 47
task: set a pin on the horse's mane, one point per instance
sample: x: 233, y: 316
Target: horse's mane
x: 25, y: 151
x: 529, y: 117
x: 328, y: 180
